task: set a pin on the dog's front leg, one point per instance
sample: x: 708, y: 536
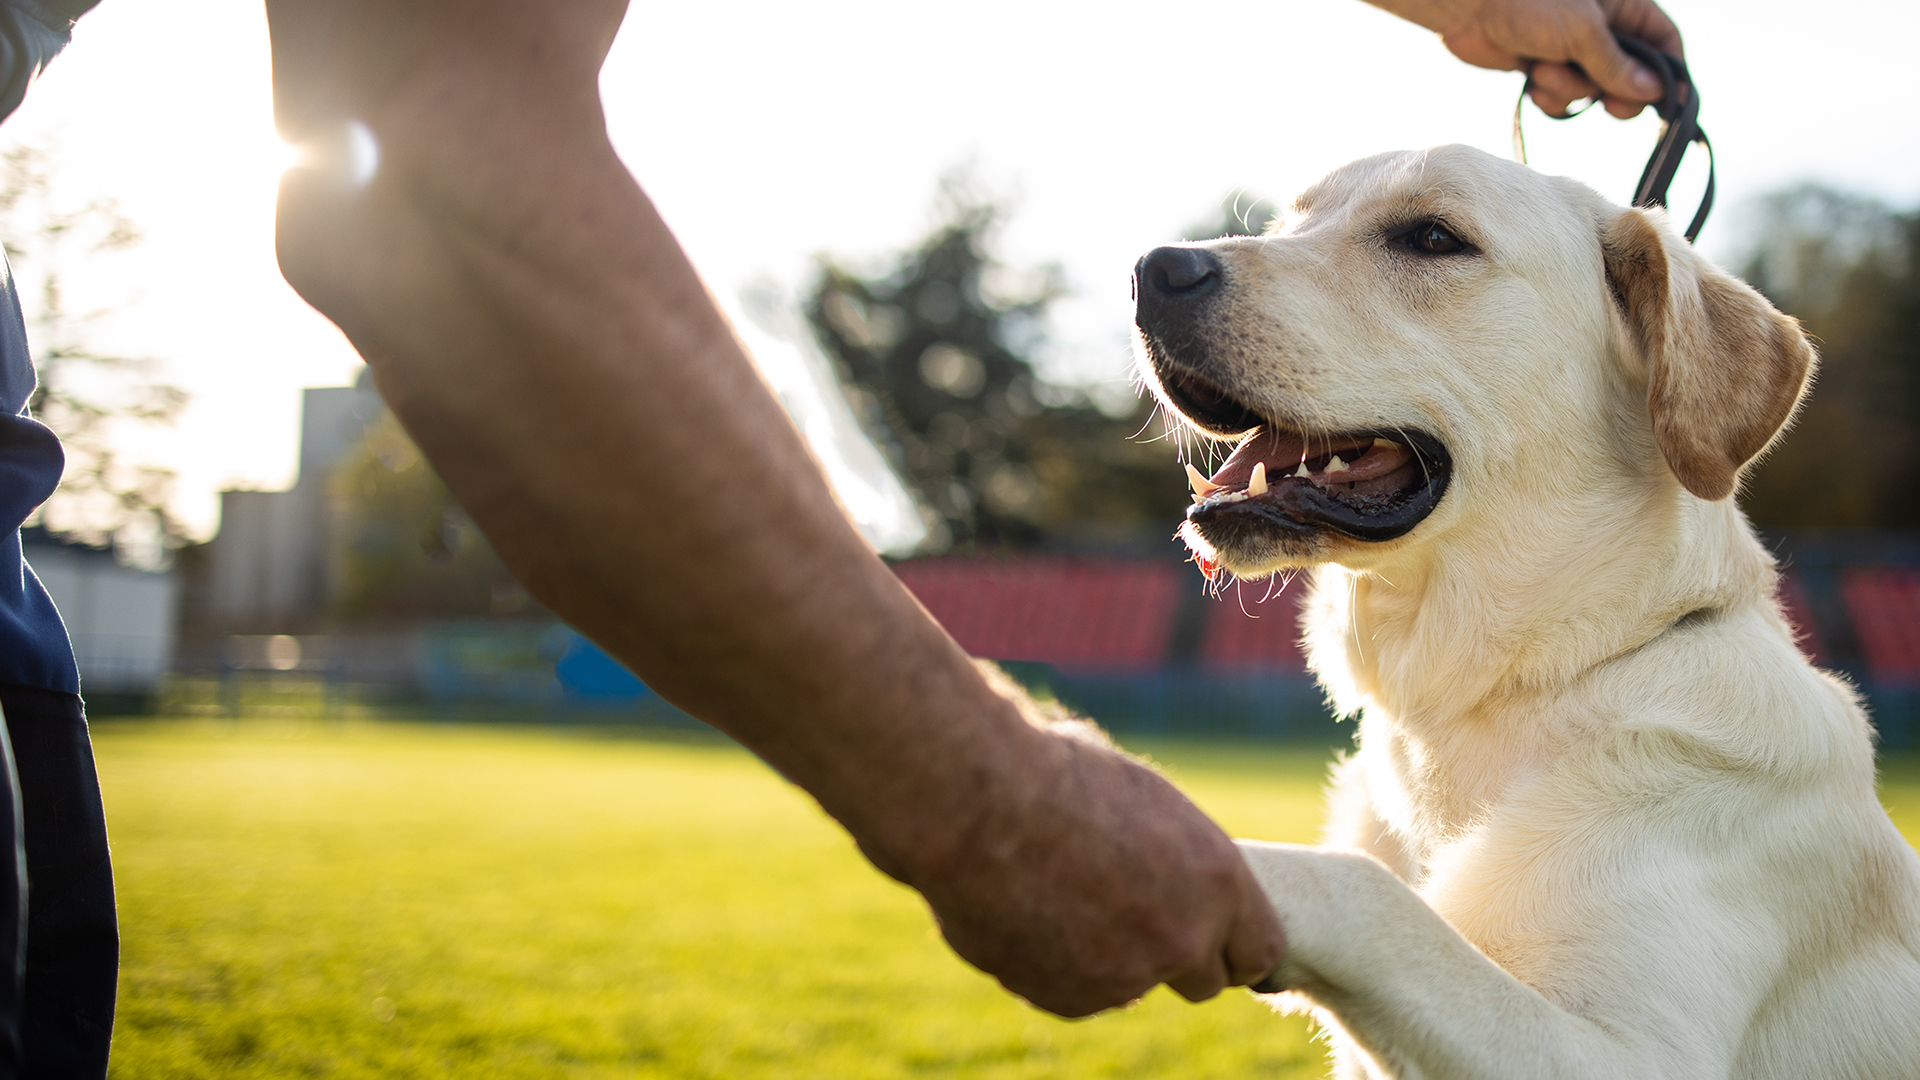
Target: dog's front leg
x: 1412, y: 994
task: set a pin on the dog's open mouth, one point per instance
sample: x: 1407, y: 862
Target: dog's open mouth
x: 1280, y: 489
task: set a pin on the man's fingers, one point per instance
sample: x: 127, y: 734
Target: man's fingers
x: 1556, y: 87
x: 1073, y: 1006
x: 1616, y: 73
x: 1202, y: 982
x: 1071, y: 992
x: 1256, y: 942
x: 1624, y: 110
x: 1254, y: 945
x: 1644, y: 19
x: 1470, y: 43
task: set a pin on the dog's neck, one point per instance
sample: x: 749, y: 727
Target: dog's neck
x: 1456, y: 639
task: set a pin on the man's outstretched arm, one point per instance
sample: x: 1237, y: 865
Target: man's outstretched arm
x: 537, y: 329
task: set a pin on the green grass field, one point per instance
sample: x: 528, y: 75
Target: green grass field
x: 359, y: 899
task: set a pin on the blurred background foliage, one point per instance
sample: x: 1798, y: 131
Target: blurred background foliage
x: 406, y: 549
x: 112, y: 492
x: 1847, y: 267
x: 936, y: 350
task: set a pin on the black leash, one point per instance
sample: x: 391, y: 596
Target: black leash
x: 1679, y: 112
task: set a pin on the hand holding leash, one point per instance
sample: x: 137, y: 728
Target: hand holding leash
x: 1679, y: 110
x: 1567, y: 46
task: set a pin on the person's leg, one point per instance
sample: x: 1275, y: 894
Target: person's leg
x: 13, y: 910
x: 73, y: 939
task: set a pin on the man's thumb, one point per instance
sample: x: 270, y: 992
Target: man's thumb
x: 1616, y: 73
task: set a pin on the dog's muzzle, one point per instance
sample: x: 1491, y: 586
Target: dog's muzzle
x: 1283, y: 490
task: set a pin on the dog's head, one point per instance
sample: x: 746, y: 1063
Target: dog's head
x: 1435, y: 339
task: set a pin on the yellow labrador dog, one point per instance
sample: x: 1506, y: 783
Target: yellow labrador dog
x: 1605, y: 820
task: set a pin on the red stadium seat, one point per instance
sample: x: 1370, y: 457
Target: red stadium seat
x: 1884, y: 604
x: 1080, y: 615
x: 1251, y: 630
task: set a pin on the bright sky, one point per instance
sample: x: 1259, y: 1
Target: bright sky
x: 770, y: 131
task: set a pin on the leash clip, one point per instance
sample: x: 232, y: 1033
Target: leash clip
x: 1679, y: 112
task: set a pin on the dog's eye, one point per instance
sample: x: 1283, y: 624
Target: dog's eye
x: 1434, y: 238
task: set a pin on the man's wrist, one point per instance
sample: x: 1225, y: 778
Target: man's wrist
x: 947, y: 804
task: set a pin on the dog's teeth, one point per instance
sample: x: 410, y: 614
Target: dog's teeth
x: 1202, y: 487
x: 1336, y: 465
x: 1302, y: 472
x: 1257, y: 483
x: 1385, y: 444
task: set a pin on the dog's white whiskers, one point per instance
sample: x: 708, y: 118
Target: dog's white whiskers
x: 1353, y: 623
x: 1425, y: 473
x: 1147, y: 424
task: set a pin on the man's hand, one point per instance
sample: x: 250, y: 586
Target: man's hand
x: 1090, y: 880
x: 1566, y: 46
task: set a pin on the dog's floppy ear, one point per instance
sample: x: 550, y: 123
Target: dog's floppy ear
x: 1725, y: 369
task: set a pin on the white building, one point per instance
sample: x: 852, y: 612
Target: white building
x: 121, y: 620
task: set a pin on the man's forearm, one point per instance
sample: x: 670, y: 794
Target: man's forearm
x: 545, y: 341
x: 540, y: 334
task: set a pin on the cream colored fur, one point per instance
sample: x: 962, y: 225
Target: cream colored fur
x: 1605, y: 819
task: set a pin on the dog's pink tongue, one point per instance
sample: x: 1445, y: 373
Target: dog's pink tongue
x: 1268, y: 445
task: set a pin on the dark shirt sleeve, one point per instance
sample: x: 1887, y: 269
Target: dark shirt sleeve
x: 32, y: 33
x: 33, y: 643
x: 34, y: 650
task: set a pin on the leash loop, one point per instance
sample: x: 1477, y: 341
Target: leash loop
x: 1679, y: 112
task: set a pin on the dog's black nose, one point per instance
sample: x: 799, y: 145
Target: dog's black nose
x: 1173, y: 275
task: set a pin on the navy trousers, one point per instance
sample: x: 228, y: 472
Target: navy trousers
x: 57, y: 922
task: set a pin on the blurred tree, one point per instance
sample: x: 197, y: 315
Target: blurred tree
x: 1849, y: 268
x: 935, y: 356
x: 86, y: 396
x: 404, y: 548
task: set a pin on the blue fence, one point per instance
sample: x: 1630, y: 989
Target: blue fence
x: 554, y: 669
x: 563, y: 675
x: 1254, y: 704
x: 548, y: 667
x: 1896, y: 716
